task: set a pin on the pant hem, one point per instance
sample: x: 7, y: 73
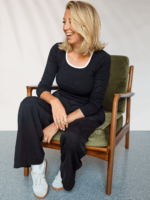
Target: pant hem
x: 17, y: 165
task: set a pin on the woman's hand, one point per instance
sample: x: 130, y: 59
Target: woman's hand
x: 59, y: 112
x: 49, y: 132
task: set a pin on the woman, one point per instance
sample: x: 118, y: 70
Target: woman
x: 82, y: 70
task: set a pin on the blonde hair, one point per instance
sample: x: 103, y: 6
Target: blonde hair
x: 86, y: 21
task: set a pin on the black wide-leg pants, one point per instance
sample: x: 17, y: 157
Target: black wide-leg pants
x: 34, y: 115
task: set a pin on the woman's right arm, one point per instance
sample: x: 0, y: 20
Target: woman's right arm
x: 58, y: 110
x: 44, y: 88
x: 49, y: 73
x: 48, y: 97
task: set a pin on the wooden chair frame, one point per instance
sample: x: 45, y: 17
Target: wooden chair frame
x: 105, y: 153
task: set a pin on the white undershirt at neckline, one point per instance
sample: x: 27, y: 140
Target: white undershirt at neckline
x: 78, y: 66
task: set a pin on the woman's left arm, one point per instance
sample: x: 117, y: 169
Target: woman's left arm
x: 102, y: 75
x: 97, y: 95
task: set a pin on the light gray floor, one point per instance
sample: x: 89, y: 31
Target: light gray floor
x: 131, y: 174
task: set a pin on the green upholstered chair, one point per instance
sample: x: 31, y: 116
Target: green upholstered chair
x: 104, y: 139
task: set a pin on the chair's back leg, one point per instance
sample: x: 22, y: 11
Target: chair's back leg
x: 26, y: 171
x: 127, y: 141
x: 127, y: 122
x: 129, y: 104
x: 110, y: 171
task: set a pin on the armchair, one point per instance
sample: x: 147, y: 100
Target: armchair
x: 103, y: 141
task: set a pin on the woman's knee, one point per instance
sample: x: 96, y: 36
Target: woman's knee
x: 62, y: 137
x: 73, y: 138
x: 69, y: 138
x: 31, y: 100
x: 27, y: 102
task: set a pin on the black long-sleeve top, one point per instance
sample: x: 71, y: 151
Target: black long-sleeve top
x: 85, y: 84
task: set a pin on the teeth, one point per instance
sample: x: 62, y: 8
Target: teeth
x: 69, y: 33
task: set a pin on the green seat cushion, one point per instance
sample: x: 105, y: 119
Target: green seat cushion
x: 100, y: 137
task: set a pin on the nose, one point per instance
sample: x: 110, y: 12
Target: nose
x: 66, y: 26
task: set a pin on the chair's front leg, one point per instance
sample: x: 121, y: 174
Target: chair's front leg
x: 113, y: 135
x: 26, y: 171
x: 110, y: 172
x: 111, y: 145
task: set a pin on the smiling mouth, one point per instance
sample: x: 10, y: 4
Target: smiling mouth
x: 69, y: 36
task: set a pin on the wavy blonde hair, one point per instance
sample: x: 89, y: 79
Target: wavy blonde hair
x: 86, y: 21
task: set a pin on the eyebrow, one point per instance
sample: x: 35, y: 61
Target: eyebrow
x: 64, y: 18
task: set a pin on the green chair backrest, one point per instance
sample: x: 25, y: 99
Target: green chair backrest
x: 118, y: 82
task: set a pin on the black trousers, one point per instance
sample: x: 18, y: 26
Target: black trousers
x: 33, y: 116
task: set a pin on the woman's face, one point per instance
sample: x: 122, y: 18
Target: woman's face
x: 74, y: 39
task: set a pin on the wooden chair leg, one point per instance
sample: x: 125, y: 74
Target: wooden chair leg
x: 110, y: 172
x: 26, y: 171
x: 127, y: 140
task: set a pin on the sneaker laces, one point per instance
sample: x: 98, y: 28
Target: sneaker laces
x: 40, y: 181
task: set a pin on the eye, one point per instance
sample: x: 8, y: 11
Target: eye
x: 64, y: 22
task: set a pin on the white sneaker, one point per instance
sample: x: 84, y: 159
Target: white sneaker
x: 40, y: 185
x: 57, y: 183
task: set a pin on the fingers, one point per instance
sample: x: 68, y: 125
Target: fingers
x: 55, y: 121
x: 63, y: 122
x: 66, y: 121
x: 59, y: 123
x: 62, y: 125
x: 47, y: 139
x: 44, y: 136
x: 44, y: 140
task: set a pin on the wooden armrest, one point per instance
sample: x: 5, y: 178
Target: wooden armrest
x: 124, y: 95
x: 31, y: 87
x: 114, y: 113
x: 115, y: 104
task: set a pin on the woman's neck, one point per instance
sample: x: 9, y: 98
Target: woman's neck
x: 78, y: 55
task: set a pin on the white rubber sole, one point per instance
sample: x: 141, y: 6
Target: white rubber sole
x: 57, y: 188
x: 61, y: 188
